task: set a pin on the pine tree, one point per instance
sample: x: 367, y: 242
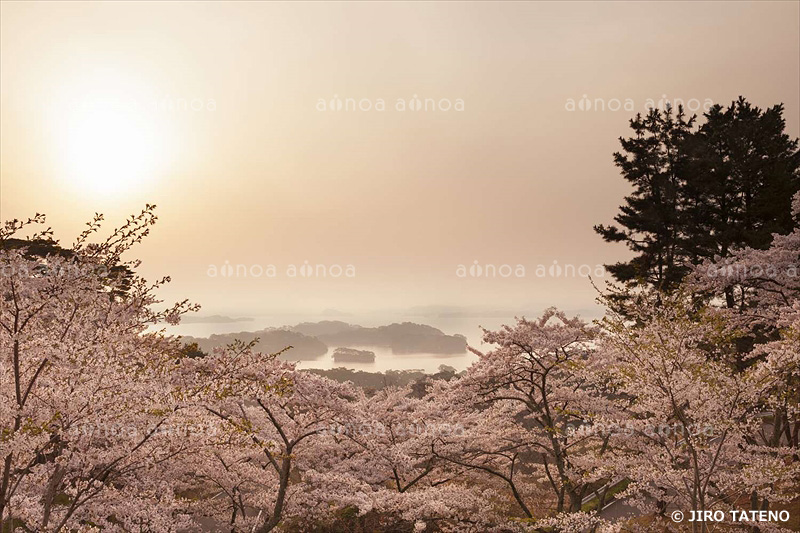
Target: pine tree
x: 744, y: 173
x: 702, y: 193
x: 650, y: 221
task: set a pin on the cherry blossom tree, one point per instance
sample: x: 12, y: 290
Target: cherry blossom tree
x: 519, y: 405
x: 764, y: 283
x: 390, y: 444
x: 682, y: 431
x: 108, y: 423
x: 766, y: 289
x: 268, y: 460
x: 84, y: 402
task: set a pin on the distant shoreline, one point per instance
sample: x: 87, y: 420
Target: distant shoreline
x: 215, y: 319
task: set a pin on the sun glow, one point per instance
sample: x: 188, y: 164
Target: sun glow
x: 109, y: 138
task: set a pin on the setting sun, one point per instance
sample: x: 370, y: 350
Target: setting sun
x: 108, y: 138
x: 109, y: 152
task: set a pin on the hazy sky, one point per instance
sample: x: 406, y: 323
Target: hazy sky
x: 221, y: 115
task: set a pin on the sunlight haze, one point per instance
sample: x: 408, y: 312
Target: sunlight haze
x: 225, y: 116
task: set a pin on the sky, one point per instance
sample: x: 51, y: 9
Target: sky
x: 363, y: 156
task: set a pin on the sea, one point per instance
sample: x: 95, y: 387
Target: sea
x: 468, y: 326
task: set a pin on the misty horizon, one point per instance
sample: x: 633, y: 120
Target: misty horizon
x: 257, y: 131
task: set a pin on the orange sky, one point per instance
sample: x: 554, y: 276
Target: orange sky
x: 220, y: 113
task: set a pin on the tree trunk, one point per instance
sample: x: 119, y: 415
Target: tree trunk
x: 275, y: 519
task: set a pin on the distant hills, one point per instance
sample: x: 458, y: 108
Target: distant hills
x: 440, y: 311
x: 271, y: 340
x: 310, y: 340
x: 323, y: 328
x: 335, y: 312
x: 404, y: 338
x: 214, y: 319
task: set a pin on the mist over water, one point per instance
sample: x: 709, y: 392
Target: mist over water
x: 468, y: 326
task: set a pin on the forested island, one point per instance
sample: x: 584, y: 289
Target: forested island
x: 311, y: 340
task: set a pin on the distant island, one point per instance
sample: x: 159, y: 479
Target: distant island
x: 311, y: 340
x: 270, y: 340
x: 405, y: 338
x: 335, y: 312
x: 214, y: 319
x: 351, y: 355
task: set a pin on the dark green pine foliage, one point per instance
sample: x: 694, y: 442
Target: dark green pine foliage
x: 744, y: 173
x: 35, y: 249
x: 649, y: 222
x: 704, y: 193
